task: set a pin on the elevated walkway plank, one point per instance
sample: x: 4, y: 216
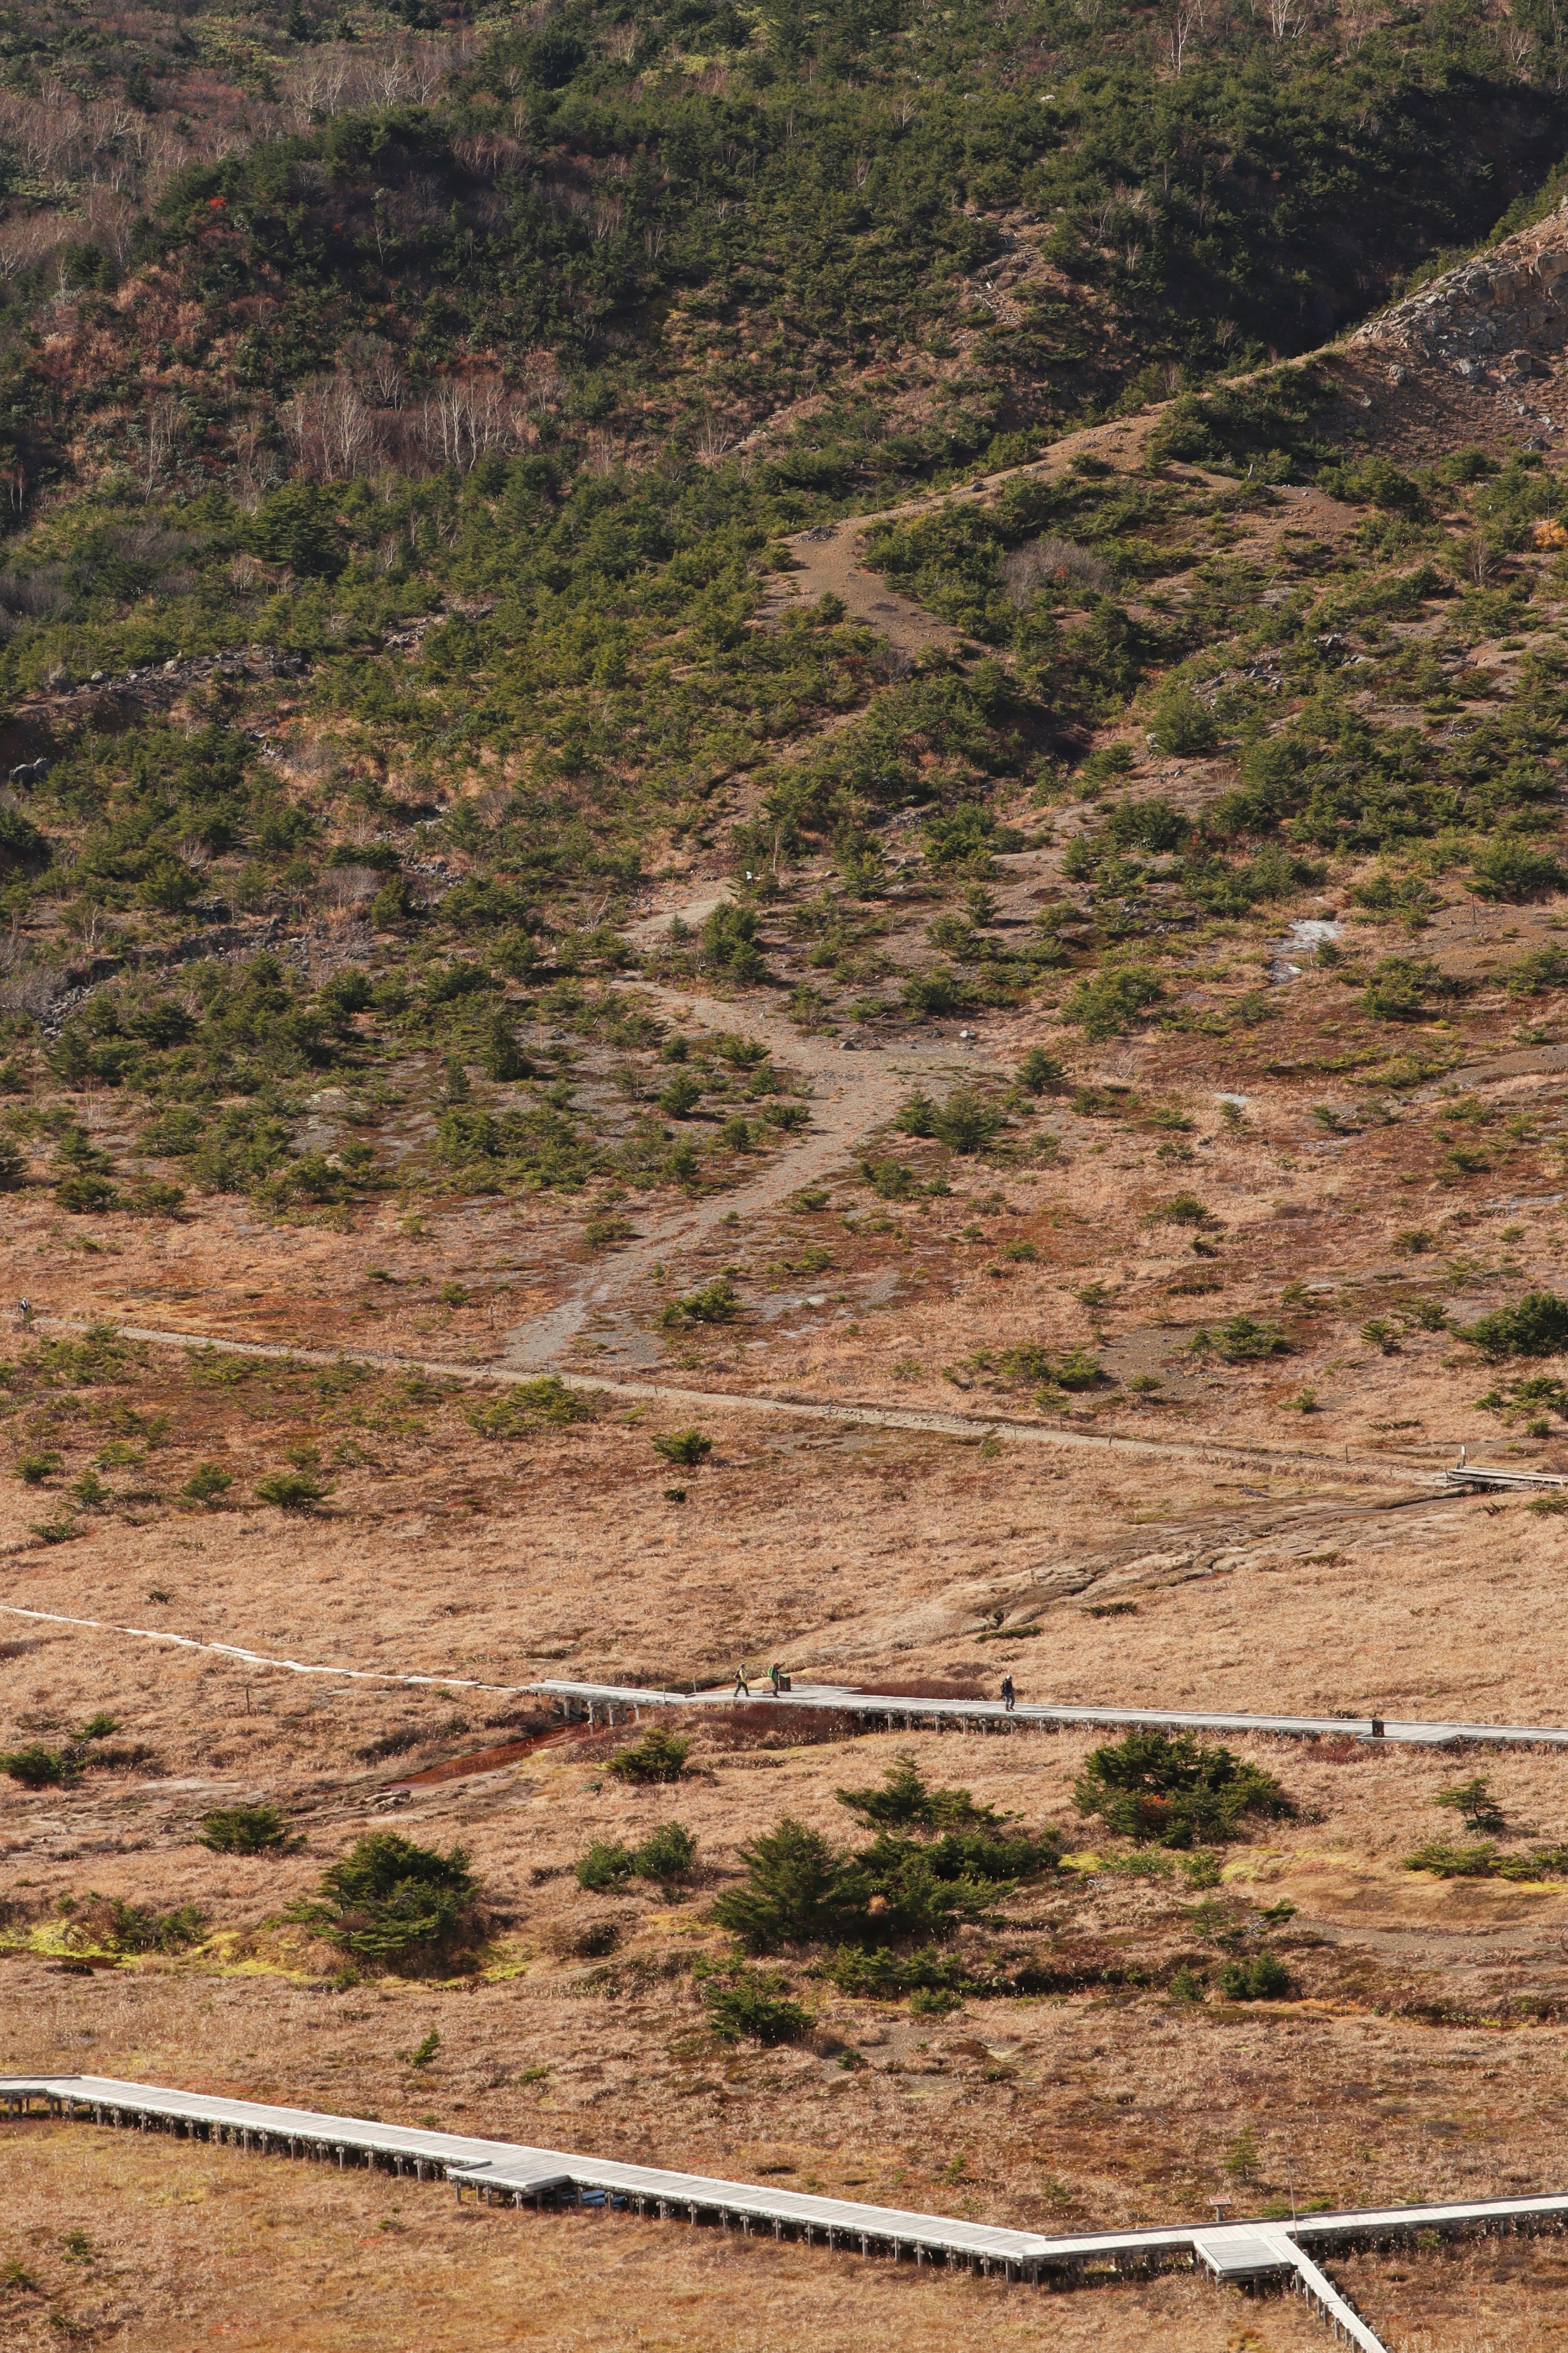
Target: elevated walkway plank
x: 1407, y: 1731
x: 514, y: 2173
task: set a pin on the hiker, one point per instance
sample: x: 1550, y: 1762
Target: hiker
x: 740, y: 1682
x: 774, y: 1673
x: 1007, y: 1698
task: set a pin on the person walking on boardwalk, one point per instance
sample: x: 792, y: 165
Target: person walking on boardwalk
x: 774, y: 1674
x: 740, y: 1682
x: 1008, y: 1693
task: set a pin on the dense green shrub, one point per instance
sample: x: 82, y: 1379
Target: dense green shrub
x: 607, y: 1863
x: 38, y: 1768
x: 1242, y: 1340
x: 1173, y: 1791
x: 875, y: 1973
x: 1488, y: 1860
x: 904, y: 1801
x: 245, y: 1830
x: 1535, y: 1326
x: 667, y: 1854
x: 1514, y: 867
x: 753, y: 2006
x: 142, y: 1928
x: 1040, y: 1073
x: 938, y: 992
x: 86, y: 1193
x: 658, y: 1756
x: 936, y: 1861
x: 1154, y: 823
x: 729, y: 942
x: 544, y: 1402
x: 209, y: 1482
x: 1112, y: 1001
x: 1538, y: 970
x: 792, y: 1893
x: 1400, y: 986
x: 1181, y: 726
x: 1264, y: 1977
x: 1446, y: 1861
x: 1186, y: 1210
x: 1473, y: 1801
x: 291, y: 1491
x: 686, y: 1447
x: 715, y: 1303
x: 890, y: 1180
x: 965, y: 1122
x: 395, y: 1904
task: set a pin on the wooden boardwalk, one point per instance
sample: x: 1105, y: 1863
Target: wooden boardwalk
x: 508, y: 2173
x: 617, y: 1703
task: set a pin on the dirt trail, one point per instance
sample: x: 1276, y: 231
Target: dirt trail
x: 238, y: 1656
x: 827, y: 557
x: 853, y: 1100
x: 691, y: 909
x: 1298, y: 1461
x: 1475, y: 355
x: 857, y: 1090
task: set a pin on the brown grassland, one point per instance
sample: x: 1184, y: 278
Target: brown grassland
x: 1139, y: 1396
x: 1420, y: 2055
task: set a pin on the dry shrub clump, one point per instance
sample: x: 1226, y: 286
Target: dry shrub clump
x: 757, y: 1726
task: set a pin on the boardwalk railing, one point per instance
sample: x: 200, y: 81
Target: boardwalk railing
x: 623, y: 1703
x: 511, y: 2174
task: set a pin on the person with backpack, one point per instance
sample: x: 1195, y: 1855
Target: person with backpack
x: 1008, y: 1695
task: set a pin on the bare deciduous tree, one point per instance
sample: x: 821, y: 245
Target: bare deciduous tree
x: 1026, y: 570
x: 1179, y: 32
x: 466, y: 418
x: 1517, y: 43
x: 24, y: 243
x: 333, y: 432
x: 715, y: 438
x: 377, y: 370
x: 165, y: 429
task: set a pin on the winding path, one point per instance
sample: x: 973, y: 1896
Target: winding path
x: 857, y: 1090
x: 841, y: 1699
x: 827, y: 557
x: 1362, y: 1470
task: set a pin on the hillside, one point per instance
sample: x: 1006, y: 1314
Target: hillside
x: 785, y: 876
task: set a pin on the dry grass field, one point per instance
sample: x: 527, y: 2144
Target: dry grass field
x: 1422, y: 2052
x: 1141, y: 1401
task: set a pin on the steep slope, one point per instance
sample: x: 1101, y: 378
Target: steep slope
x: 1479, y: 356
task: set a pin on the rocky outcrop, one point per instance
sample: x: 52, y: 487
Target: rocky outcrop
x: 1482, y: 349
x: 110, y: 703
